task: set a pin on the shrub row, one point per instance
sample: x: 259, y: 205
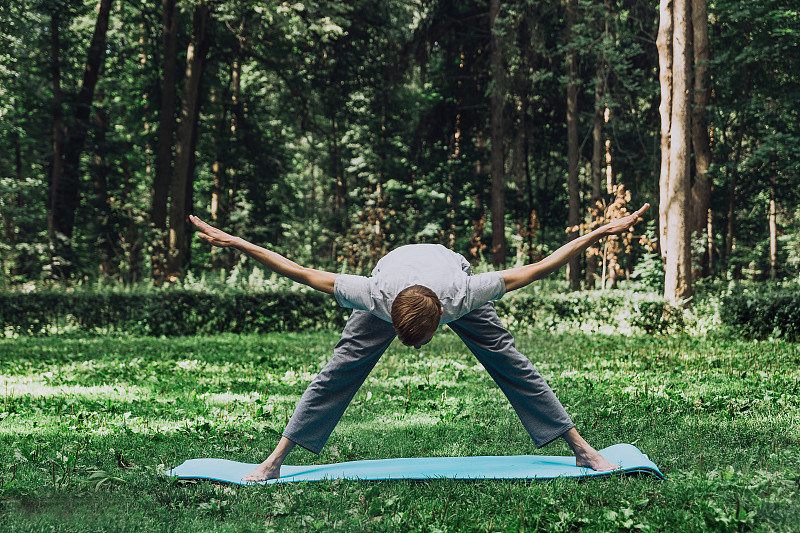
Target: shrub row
x: 185, y: 312
x: 763, y: 315
x: 174, y: 312
x: 611, y: 311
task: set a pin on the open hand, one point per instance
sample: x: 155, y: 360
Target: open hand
x: 210, y: 234
x: 622, y: 225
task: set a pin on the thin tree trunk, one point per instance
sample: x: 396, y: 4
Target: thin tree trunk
x: 479, y: 218
x: 524, y: 72
x: 341, y: 207
x: 737, y: 155
x: 218, y: 174
x: 773, y: 230
x: 9, y: 230
x: 17, y: 230
x: 498, y: 162
x: 518, y: 171
x: 597, y: 166
x: 701, y: 190
x: 146, y: 96
x: 237, y: 115
x: 664, y: 45
x: 574, y: 267
x: 57, y: 167
x: 66, y: 193
x: 166, y: 134
x: 182, y: 180
x: 678, y: 280
x: 217, y: 170
x: 102, y: 207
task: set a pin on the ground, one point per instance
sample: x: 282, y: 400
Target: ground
x: 88, y: 424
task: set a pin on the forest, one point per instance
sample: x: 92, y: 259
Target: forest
x: 333, y: 132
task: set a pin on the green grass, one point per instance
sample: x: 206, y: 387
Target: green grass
x: 87, y: 425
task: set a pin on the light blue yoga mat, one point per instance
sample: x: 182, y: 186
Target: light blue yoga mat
x: 423, y: 468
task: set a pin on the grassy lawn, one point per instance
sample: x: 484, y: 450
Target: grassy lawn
x: 87, y: 425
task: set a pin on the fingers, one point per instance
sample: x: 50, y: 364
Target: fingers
x: 642, y: 209
x: 196, y: 221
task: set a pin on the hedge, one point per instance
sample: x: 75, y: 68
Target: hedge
x: 174, y: 312
x: 763, y: 315
x: 185, y: 312
x: 610, y: 311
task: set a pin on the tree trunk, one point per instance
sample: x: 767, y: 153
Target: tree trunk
x: 524, y: 153
x: 65, y: 200
x: 237, y: 118
x: 773, y: 230
x: 678, y: 280
x: 166, y: 132
x: 182, y: 179
x: 477, y: 247
x: 341, y: 207
x: 57, y: 168
x: 737, y: 155
x: 701, y: 190
x: 9, y: 229
x: 597, y: 167
x: 498, y: 162
x: 105, y: 239
x: 574, y: 267
x: 664, y: 45
x: 217, y: 167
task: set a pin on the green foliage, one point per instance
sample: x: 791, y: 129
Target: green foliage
x: 89, y: 425
x: 607, y: 311
x: 334, y: 131
x: 763, y: 314
x: 170, y: 312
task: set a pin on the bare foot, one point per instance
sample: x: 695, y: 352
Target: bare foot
x: 595, y: 461
x: 271, y: 468
x: 263, y: 472
x: 585, y: 455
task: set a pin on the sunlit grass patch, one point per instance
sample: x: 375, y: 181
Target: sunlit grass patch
x: 92, y: 422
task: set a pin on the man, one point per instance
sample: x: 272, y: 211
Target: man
x: 412, y: 291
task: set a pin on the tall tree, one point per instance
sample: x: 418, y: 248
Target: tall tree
x: 183, y: 174
x: 678, y: 279
x: 66, y: 190
x: 597, y: 161
x: 701, y: 142
x: 665, y: 54
x: 57, y: 165
x: 498, y: 133
x: 574, y: 267
x: 166, y: 133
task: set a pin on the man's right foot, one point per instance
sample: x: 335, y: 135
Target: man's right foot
x: 263, y: 472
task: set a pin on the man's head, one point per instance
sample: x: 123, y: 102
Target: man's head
x: 416, y: 312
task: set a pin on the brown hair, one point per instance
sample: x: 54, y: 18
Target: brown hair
x: 416, y: 311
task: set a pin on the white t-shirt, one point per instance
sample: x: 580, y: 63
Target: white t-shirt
x: 443, y: 271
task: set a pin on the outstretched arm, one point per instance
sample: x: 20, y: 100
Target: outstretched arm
x: 516, y: 278
x: 316, y: 279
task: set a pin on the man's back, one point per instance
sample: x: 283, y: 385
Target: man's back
x: 443, y: 271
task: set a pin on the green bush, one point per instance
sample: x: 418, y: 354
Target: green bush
x: 763, y: 314
x: 192, y: 312
x: 618, y: 311
x: 174, y: 312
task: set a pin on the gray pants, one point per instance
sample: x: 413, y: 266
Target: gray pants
x: 366, y: 337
